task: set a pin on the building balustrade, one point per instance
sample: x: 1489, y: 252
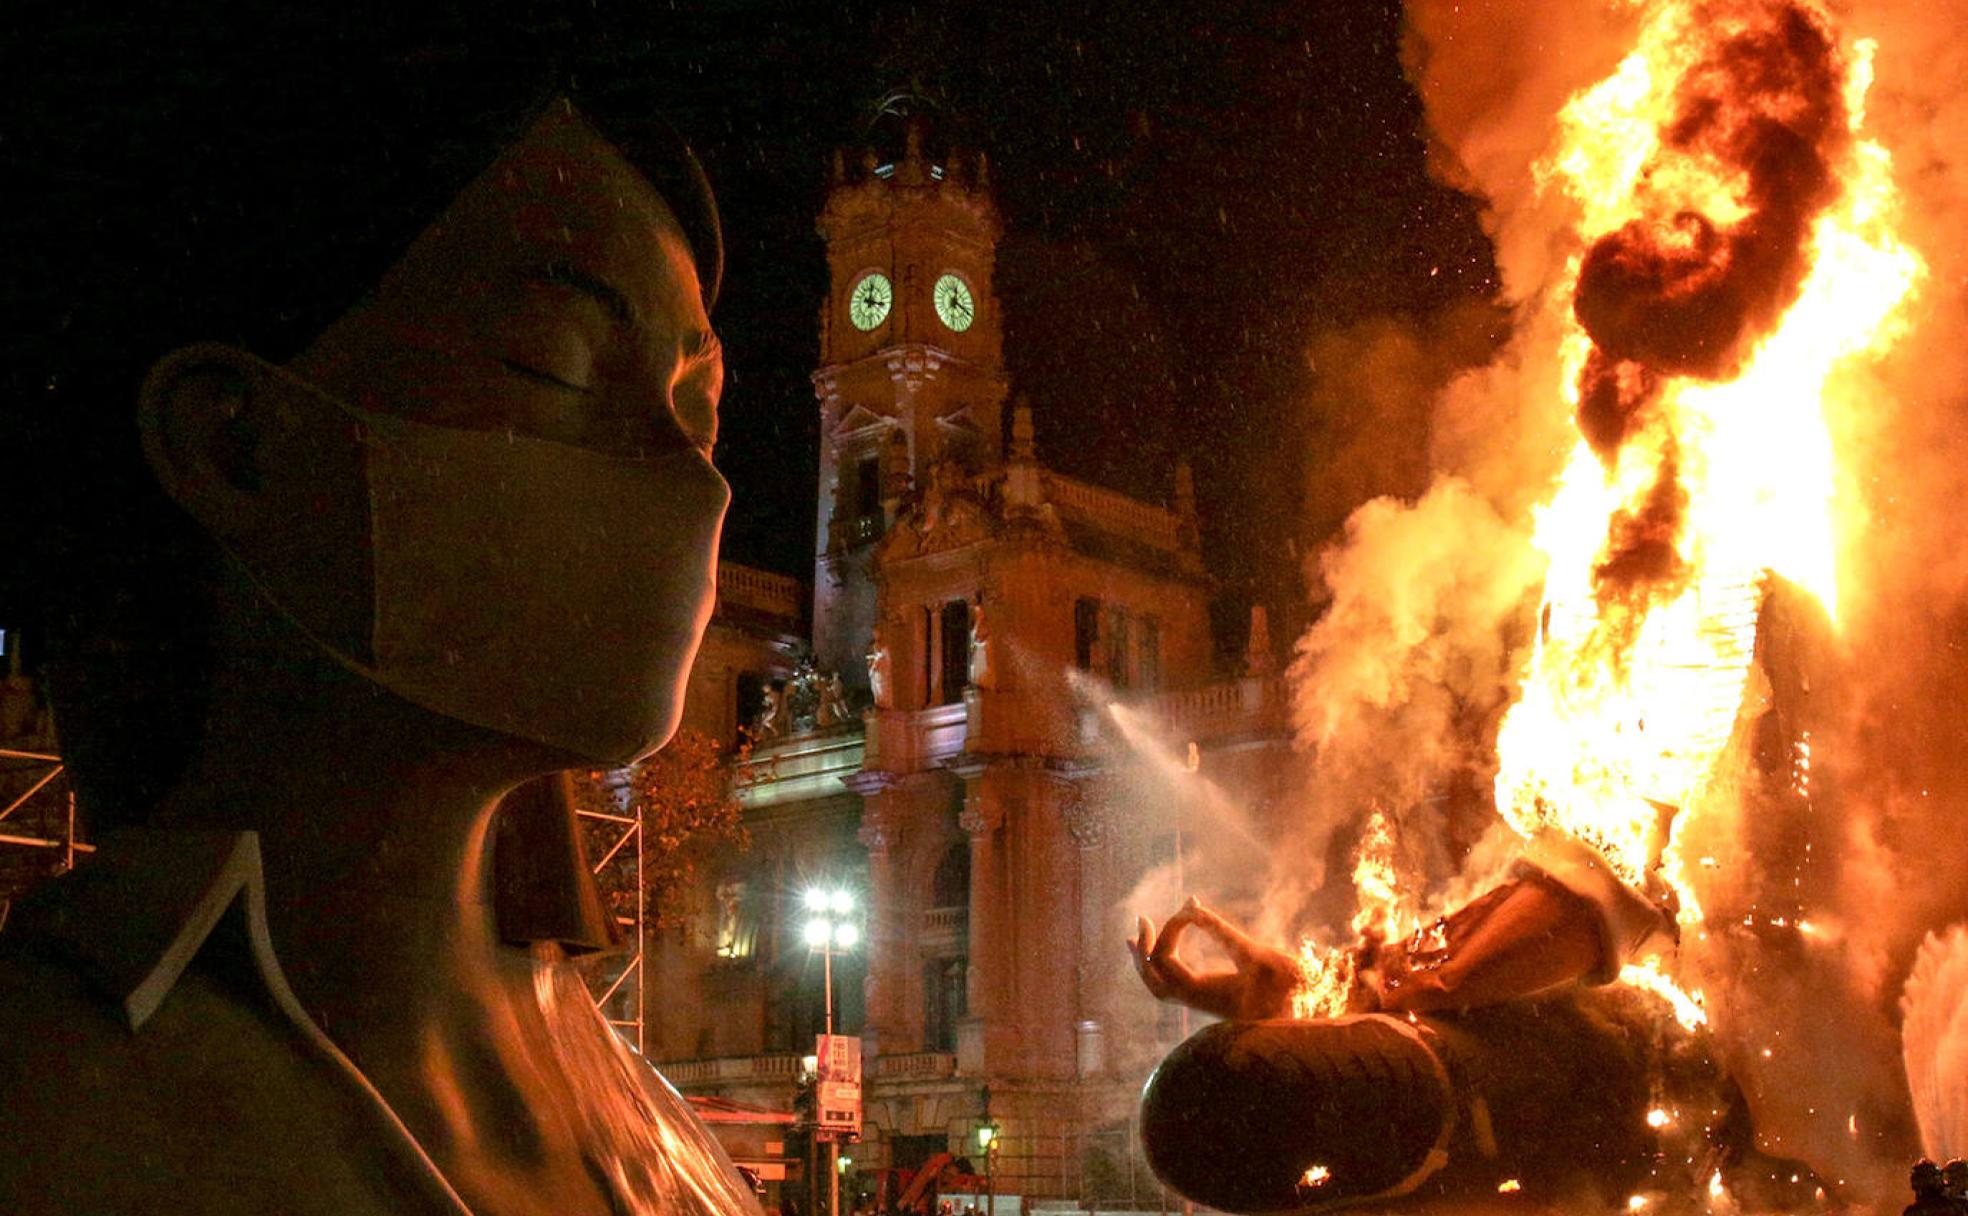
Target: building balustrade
x: 915, y: 1066
x: 1116, y: 512
x: 731, y: 1069
x: 946, y: 922
x: 1229, y: 708
x: 744, y: 587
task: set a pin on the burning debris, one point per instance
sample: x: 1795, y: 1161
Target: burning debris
x: 1728, y: 248
x: 1733, y: 248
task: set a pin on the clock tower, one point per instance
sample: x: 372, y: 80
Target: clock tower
x: 911, y: 379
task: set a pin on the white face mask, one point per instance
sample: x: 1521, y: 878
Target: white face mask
x: 542, y: 590
x: 538, y: 589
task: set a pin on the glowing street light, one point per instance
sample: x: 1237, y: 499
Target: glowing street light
x: 829, y: 927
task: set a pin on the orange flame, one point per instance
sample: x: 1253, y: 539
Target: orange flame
x: 1386, y: 913
x: 1702, y: 353
x: 1732, y: 251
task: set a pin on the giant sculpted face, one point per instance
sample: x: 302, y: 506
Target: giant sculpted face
x: 470, y: 536
x: 488, y: 486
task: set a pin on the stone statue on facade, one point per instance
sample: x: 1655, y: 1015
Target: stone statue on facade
x: 981, y: 675
x: 427, y: 560
x: 771, y: 720
x: 880, y: 673
x: 832, y: 709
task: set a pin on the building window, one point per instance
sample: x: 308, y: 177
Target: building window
x: 867, y: 487
x: 1148, y: 653
x: 955, y: 650
x: 1086, y: 631
x: 950, y: 886
x: 1116, y: 645
x: 944, y: 1002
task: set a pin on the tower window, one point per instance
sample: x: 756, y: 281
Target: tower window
x: 867, y: 487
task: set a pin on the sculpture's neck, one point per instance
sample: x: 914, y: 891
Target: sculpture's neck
x: 374, y: 815
x: 375, y: 821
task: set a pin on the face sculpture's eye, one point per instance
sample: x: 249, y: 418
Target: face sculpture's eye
x: 557, y: 299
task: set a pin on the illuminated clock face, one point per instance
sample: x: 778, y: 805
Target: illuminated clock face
x: 868, y: 303
x: 954, y: 304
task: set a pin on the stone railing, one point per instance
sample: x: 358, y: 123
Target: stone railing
x: 946, y: 922
x: 1221, y: 709
x: 1116, y: 513
x: 905, y: 741
x: 742, y: 586
x: 732, y: 1070
x: 916, y: 1065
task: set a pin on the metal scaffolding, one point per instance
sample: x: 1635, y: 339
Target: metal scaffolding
x: 50, y: 804
x: 625, y: 988
x: 46, y: 798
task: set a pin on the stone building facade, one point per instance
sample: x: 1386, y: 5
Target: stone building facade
x: 945, y: 746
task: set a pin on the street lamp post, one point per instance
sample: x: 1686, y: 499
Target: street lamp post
x: 828, y: 927
x: 987, y: 1139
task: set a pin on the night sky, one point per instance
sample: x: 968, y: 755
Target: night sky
x: 1192, y: 195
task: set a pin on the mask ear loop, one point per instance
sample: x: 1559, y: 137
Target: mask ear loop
x: 371, y: 428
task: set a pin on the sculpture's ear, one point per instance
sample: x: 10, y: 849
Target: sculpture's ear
x: 208, y: 414
x: 274, y: 470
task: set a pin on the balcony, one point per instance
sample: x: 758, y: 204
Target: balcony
x: 800, y: 768
x: 853, y: 533
x: 773, y: 594
x: 1215, y: 711
x: 944, y: 928
x: 916, y: 1066
x: 946, y: 921
x: 732, y: 1071
x: 905, y: 741
x: 1116, y: 513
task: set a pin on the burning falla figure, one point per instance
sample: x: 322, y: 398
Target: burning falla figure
x: 1476, y: 1059
x: 1733, y: 246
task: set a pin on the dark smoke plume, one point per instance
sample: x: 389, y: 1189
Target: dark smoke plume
x: 1678, y: 292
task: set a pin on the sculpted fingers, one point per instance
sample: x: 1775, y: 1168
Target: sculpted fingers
x: 1139, y: 948
x: 1172, y: 931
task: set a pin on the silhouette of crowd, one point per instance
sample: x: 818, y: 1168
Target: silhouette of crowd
x: 1938, y: 1190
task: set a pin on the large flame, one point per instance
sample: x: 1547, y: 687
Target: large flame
x: 1734, y: 247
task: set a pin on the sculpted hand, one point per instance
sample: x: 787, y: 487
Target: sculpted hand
x: 1259, y: 986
